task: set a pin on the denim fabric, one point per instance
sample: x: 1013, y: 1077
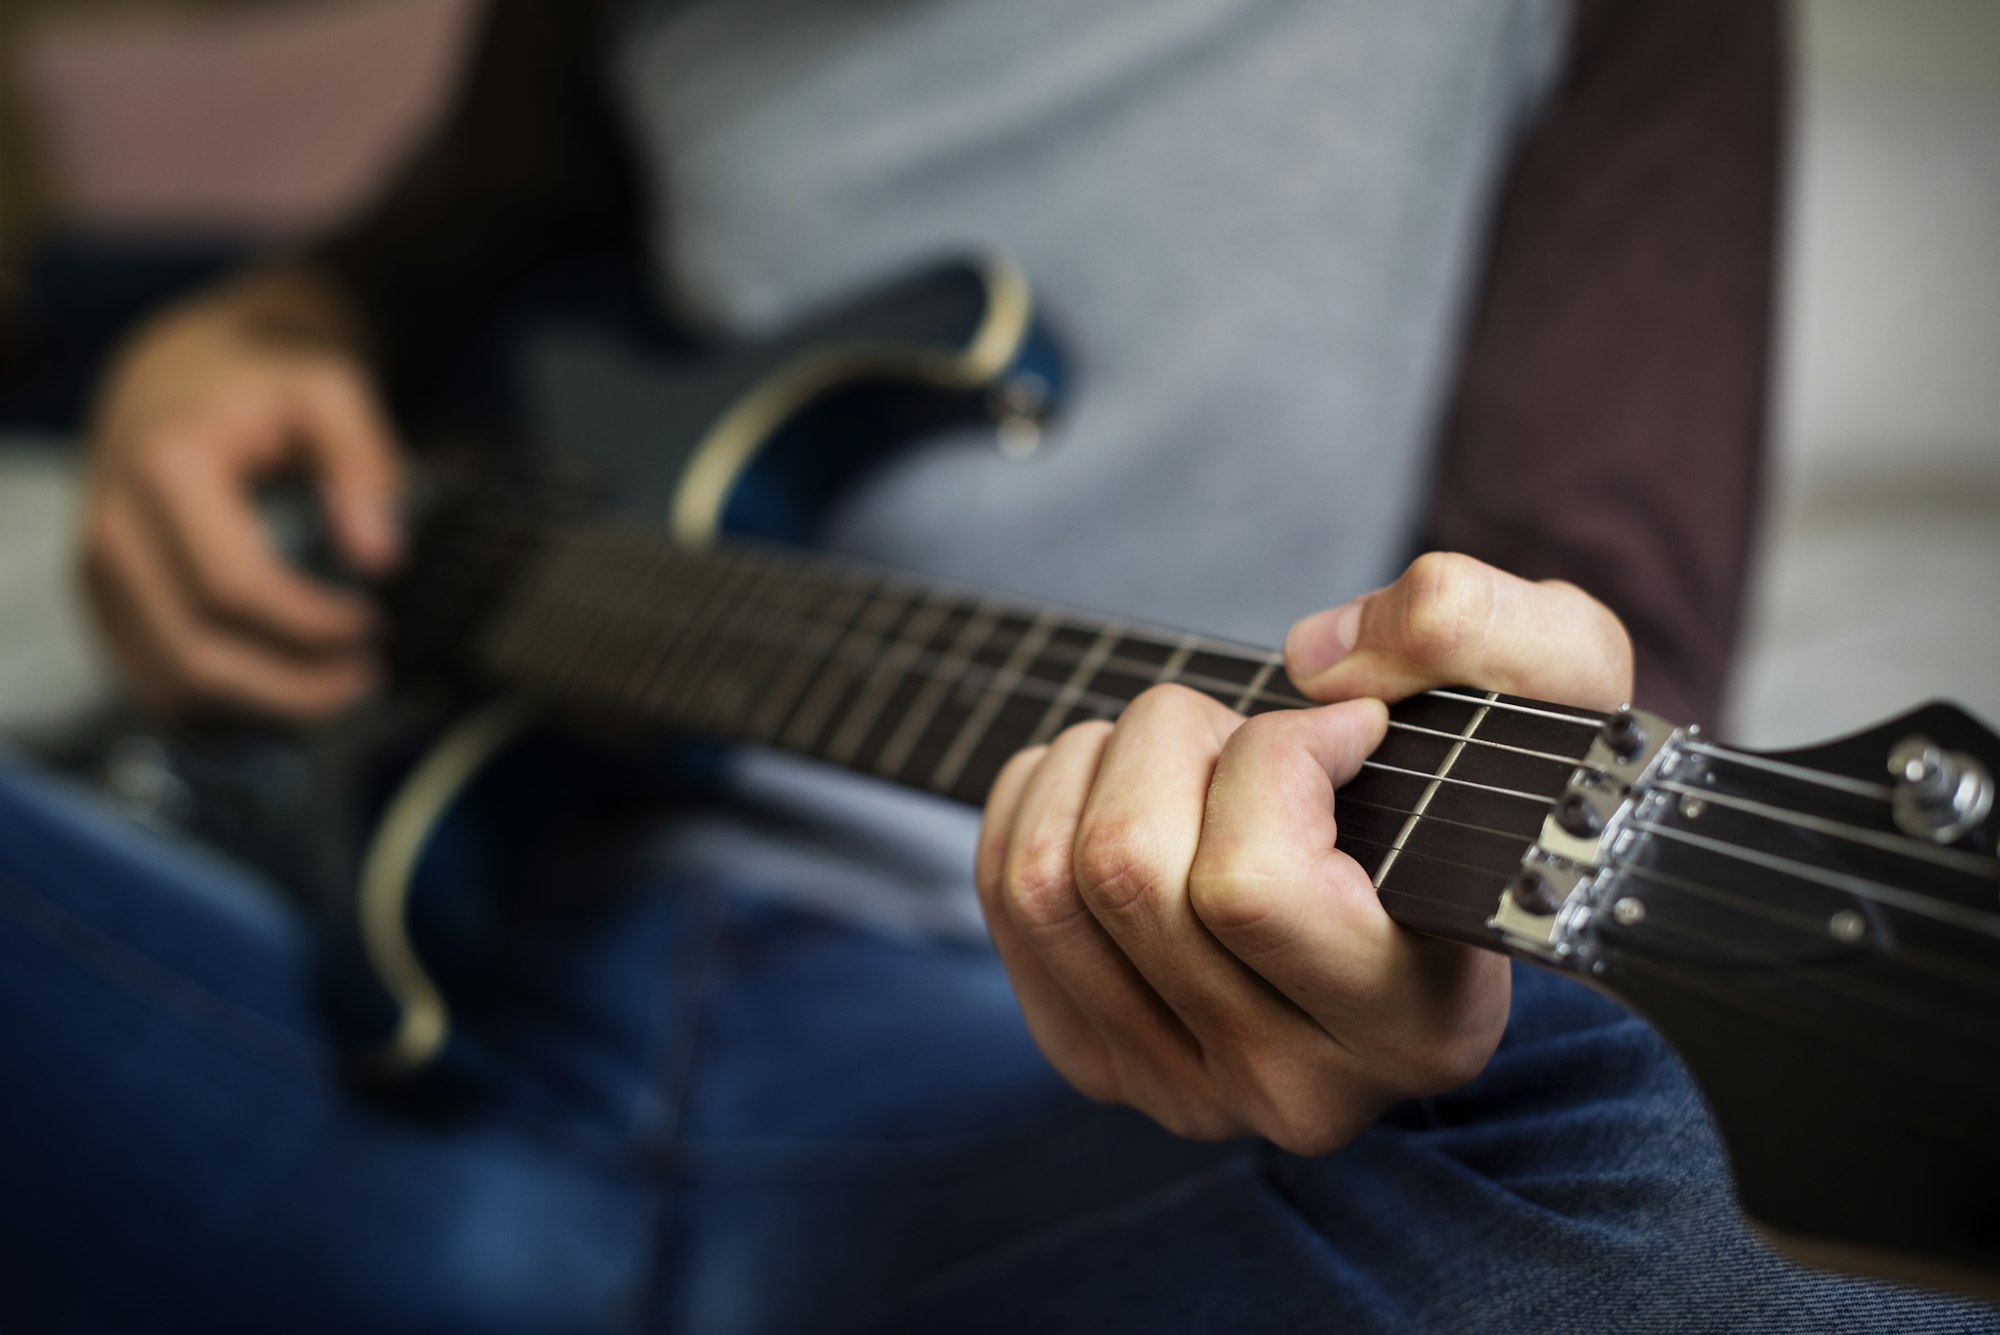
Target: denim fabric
x: 733, y: 1116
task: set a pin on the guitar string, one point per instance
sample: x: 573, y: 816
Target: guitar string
x: 1984, y: 922
x: 1046, y: 689
x: 1101, y: 707
x: 980, y: 677
x: 790, y: 566
x: 1815, y: 927
x: 875, y: 583
x: 1850, y: 1037
x: 1232, y: 688
x: 1063, y: 655
x: 1218, y: 686
x: 1910, y: 1005
x: 1902, y: 845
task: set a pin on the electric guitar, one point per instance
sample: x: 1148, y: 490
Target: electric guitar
x: 1816, y: 932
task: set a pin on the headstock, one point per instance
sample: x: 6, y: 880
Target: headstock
x: 1817, y: 933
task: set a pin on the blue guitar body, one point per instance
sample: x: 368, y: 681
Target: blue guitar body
x: 750, y: 441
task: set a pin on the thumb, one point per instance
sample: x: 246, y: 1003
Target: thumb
x: 1452, y: 620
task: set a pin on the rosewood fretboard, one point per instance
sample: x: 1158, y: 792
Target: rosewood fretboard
x: 936, y: 687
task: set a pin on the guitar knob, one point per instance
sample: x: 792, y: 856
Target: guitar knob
x: 1940, y: 795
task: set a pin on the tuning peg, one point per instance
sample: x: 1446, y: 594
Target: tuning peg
x: 1940, y: 794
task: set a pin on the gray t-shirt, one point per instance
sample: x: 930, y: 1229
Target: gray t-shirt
x: 1255, y: 224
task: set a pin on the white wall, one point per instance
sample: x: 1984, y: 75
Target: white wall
x: 1880, y: 582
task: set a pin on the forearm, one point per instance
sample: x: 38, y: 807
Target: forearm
x: 1610, y: 419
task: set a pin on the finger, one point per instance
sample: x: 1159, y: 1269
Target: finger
x: 1135, y: 847
x: 1039, y: 897
x: 1269, y: 882
x: 1451, y: 620
x: 197, y: 501
x: 1069, y: 1040
x: 1157, y: 1061
x: 178, y: 661
x: 348, y: 439
x: 1267, y: 879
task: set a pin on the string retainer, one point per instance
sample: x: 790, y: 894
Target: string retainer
x: 1569, y: 875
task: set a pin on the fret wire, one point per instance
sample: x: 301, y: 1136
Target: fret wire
x: 779, y: 652
x: 973, y: 730
x: 1490, y: 745
x: 521, y: 641
x: 679, y: 690
x: 798, y: 676
x: 993, y: 687
x: 863, y: 646
x: 1087, y: 666
x: 1523, y: 839
x: 671, y: 643
x: 1111, y: 705
x: 563, y: 586
x: 881, y: 682
x: 1171, y: 669
x: 713, y: 642
x: 754, y: 658
x: 1431, y: 791
x: 834, y: 575
x: 971, y: 638
x: 596, y: 600
x: 1500, y: 879
x: 1463, y: 783
x: 1254, y: 691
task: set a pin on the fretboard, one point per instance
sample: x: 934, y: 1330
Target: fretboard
x: 936, y: 687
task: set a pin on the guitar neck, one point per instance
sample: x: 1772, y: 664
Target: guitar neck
x: 935, y: 688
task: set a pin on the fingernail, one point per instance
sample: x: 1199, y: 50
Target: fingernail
x: 1319, y: 641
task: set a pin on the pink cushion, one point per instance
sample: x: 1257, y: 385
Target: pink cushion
x: 270, y: 123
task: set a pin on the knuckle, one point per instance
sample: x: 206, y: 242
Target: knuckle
x: 1262, y: 732
x: 1168, y: 698
x: 1191, y: 1118
x: 1093, y: 1077
x: 1439, y: 1068
x: 1451, y: 600
x: 1311, y: 1131
x: 158, y: 460
x: 1116, y: 871
x: 1090, y: 732
x: 1037, y: 888
x: 1233, y: 898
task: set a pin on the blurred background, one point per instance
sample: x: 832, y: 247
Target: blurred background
x: 145, y: 144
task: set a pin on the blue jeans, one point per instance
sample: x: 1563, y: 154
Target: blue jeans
x: 725, y: 1116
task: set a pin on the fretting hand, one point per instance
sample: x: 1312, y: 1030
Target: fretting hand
x: 1166, y: 895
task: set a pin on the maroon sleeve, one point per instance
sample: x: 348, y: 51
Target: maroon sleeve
x: 1609, y: 421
